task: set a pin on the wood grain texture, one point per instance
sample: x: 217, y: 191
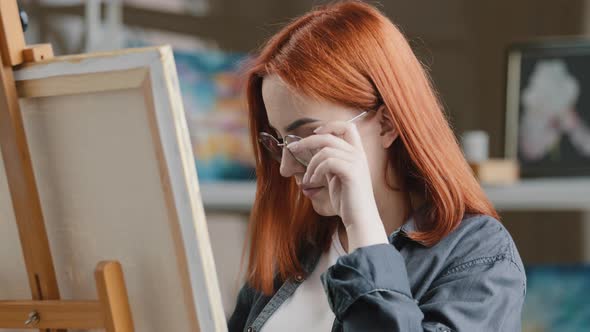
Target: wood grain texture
x: 111, y: 312
x: 181, y: 256
x: 112, y: 294
x: 82, y: 83
x: 37, y: 52
x: 23, y: 194
x: 496, y: 171
x: 54, y: 314
x: 11, y: 28
x: 117, y: 181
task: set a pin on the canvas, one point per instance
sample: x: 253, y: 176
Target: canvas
x: 116, y: 177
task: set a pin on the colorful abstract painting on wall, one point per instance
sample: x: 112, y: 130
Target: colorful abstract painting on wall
x: 556, y: 299
x: 212, y: 93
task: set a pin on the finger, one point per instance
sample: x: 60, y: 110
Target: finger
x: 331, y: 166
x: 346, y: 130
x: 317, y: 142
x: 324, y: 154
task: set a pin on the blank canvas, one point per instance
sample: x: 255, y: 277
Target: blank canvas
x: 117, y: 181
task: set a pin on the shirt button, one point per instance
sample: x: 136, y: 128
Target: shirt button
x: 250, y: 329
x: 299, y: 278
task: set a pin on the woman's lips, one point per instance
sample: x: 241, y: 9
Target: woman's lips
x: 310, y: 192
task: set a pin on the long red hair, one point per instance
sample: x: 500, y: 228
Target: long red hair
x: 350, y: 54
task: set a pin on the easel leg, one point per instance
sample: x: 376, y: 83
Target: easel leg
x: 112, y: 294
x: 18, y: 164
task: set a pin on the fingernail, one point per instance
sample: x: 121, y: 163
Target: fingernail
x: 317, y: 129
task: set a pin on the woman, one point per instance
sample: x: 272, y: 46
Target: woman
x: 367, y: 217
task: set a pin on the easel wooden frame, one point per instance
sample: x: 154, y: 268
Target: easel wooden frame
x: 46, y: 311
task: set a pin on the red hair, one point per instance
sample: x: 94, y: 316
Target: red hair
x: 350, y: 54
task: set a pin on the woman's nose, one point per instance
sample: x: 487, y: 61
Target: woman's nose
x: 289, y: 165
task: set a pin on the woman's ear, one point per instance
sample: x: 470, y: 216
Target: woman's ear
x: 388, y: 131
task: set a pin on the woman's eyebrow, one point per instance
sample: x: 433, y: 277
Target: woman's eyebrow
x: 298, y: 123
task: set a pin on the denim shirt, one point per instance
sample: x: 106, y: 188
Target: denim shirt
x: 472, y: 280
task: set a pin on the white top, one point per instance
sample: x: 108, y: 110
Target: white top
x: 307, y: 309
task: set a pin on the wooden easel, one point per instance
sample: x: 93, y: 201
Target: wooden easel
x: 46, y: 311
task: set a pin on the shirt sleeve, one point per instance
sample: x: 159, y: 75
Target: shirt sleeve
x: 369, y: 290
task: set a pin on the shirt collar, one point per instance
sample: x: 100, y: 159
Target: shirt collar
x: 309, y: 261
x: 410, y: 225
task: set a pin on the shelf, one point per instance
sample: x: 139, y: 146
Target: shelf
x: 542, y: 194
x: 528, y: 194
x: 235, y: 196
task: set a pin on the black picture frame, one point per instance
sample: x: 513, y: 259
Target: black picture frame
x: 547, y: 119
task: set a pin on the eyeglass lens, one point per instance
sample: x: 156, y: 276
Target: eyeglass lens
x: 276, y: 151
x: 271, y: 144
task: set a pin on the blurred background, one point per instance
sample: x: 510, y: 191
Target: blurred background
x: 513, y: 77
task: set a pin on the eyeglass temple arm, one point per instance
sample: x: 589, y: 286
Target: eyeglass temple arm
x: 351, y: 120
x: 358, y: 116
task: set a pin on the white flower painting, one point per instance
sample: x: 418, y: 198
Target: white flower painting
x: 549, y: 113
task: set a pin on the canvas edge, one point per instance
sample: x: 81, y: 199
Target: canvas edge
x: 173, y: 130
x: 87, y: 64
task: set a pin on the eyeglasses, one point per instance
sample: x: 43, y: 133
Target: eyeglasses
x: 275, y: 147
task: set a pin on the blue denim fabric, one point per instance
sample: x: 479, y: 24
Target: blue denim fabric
x: 472, y: 280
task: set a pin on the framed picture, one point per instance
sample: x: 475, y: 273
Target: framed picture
x: 548, y: 107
